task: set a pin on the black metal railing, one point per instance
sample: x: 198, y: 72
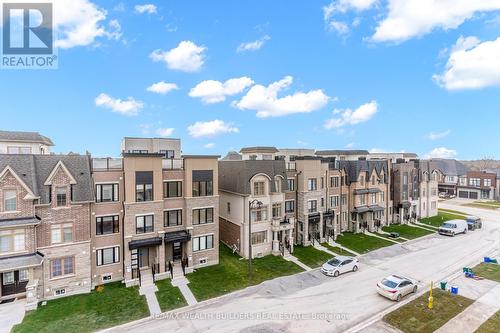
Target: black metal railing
x: 184, y: 263
x: 171, y: 269
x: 139, y: 276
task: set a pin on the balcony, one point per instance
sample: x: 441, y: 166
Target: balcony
x: 107, y: 164
x: 282, y: 223
x: 173, y: 164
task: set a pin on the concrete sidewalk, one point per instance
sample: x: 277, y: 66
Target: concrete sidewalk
x: 182, y: 284
x: 11, y: 314
x: 298, y: 262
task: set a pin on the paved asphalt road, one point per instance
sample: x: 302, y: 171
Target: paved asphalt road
x: 311, y: 302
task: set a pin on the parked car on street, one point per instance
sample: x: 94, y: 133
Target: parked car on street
x: 453, y: 227
x: 474, y: 222
x: 395, y: 287
x: 340, y: 264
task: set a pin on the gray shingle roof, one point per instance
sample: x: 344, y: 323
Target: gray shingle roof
x: 22, y: 261
x: 234, y: 176
x: 25, y: 221
x: 35, y: 169
x: 259, y: 149
x: 25, y: 137
x: 449, y: 167
x: 354, y: 168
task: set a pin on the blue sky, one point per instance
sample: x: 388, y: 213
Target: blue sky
x: 361, y: 74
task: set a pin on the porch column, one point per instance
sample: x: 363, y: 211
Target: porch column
x: 276, y: 243
x: 321, y: 238
x: 161, y: 256
x: 290, y: 238
x: 305, y: 232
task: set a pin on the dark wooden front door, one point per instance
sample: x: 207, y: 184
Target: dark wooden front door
x: 14, y: 282
x: 177, y: 251
x: 143, y: 257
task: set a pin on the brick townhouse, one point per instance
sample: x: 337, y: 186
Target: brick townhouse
x: 45, y: 243
x: 477, y: 185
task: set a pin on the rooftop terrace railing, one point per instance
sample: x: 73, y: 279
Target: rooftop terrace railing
x: 107, y: 164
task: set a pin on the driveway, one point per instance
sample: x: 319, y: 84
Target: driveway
x: 11, y: 314
x: 312, y: 302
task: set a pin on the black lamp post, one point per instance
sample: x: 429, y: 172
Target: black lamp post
x: 256, y: 204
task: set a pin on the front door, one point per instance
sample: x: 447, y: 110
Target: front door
x: 177, y: 251
x: 143, y: 257
x: 14, y: 282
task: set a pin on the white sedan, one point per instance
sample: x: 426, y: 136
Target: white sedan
x: 340, y: 264
x: 395, y: 287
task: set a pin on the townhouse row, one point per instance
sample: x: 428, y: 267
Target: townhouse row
x: 71, y: 222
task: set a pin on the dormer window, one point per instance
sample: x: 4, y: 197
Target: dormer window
x: 61, y: 196
x: 277, y: 184
x: 9, y: 200
x: 259, y: 188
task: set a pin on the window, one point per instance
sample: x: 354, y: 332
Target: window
x: 203, y: 216
x: 144, y: 224
x: 9, y: 200
x: 259, y: 237
x: 382, y: 196
x: 203, y: 243
x: 259, y: 188
x: 362, y: 199
x: 373, y: 198
x: 312, y: 184
x: 8, y: 278
x: 322, y: 182
x: 229, y: 208
x: 202, y: 183
x: 60, y: 292
x: 106, y: 192
x: 143, y: 186
x: 18, y: 150
x: 373, y: 180
x: 62, y: 266
x: 107, y: 225
x: 267, y: 157
x: 291, y: 184
x: 277, y: 210
x: 334, y: 201
x: 259, y: 214
x: 172, y: 189
x: 475, y: 182
x: 334, y: 181
x: 290, y: 206
x: 110, y: 255
x: 312, y: 206
x: 277, y: 185
x: 362, y: 180
x: 23, y: 275
x: 61, y: 196
x: 344, y: 199
x: 487, y: 182
x: 172, y: 218
x: 322, y: 202
x: 12, y: 240
x: 61, y: 233
x: 167, y: 153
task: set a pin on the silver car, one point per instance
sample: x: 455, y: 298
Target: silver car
x: 395, y: 287
x: 340, y: 264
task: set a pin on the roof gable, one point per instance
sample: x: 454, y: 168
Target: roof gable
x: 8, y: 169
x: 59, y: 165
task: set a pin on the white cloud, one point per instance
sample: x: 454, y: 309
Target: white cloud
x: 80, y: 23
x: 438, y: 135
x: 252, y: 46
x: 146, y: 8
x: 210, y: 128
x: 472, y: 65
x: 350, y: 145
x: 413, y: 18
x: 128, y: 107
x: 338, y: 7
x: 209, y: 145
x: 162, y: 87
x: 211, y: 91
x: 442, y: 152
x: 165, y: 131
x: 266, y: 102
x: 352, y: 117
x: 186, y: 57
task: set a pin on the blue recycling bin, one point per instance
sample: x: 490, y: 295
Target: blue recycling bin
x: 454, y: 290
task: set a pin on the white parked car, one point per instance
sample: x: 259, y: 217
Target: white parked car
x: 340, y: 264
x: 395, y: 287
x: 453, y: 227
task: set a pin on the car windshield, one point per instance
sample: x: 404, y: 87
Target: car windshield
x: 334, y: 262
x: 449, y: 225
x: 471, y: 220
x: 389, y: 283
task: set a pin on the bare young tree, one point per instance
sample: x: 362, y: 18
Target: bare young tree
x: 486, y: 162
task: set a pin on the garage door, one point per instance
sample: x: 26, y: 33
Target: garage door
x: 473, y: 195
x: 463, y: 194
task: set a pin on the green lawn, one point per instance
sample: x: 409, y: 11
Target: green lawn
x: 442, y: 217
x: 232, y: 274
x: 311, y: 256
x: 456, y: 212
x: 399, y: 240
x: 492, y: 325
x: 361, y: 243
x: 113, y: 306
x: 415, y: 317
x: 482, y: 205
x: 407, y: 231
x: 168, y: 296
x: 338, y: 250
x: 488, y: 271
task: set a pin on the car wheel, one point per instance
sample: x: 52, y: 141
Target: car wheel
x: 336, y: 273
x: 355, y: 268
x: 398, y: 298
x: 415, y: 289
x: 452, y: 234
x: 465, y: 230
